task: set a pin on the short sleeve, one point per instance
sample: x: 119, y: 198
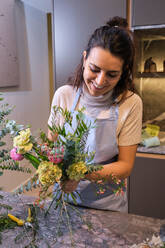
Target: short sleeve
x: 63, y: 98
x: 130, y: 121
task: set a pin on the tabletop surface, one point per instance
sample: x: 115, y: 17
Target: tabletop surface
x: 108, y: 229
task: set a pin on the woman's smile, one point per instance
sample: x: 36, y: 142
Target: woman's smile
x: 97, y: 86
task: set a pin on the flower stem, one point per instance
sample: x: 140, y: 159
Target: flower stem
x: 54, y: 199
x: 68, y: 220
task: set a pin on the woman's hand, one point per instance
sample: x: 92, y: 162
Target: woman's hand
x: 69, y: 186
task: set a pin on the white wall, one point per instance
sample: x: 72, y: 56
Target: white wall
x: 31, y: 98
x: 44, y: 5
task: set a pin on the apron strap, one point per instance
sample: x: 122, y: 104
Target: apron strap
x: 76, y: 99
x: 114, y: 112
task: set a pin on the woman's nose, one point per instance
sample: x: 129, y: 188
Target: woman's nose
x: 101, y: 78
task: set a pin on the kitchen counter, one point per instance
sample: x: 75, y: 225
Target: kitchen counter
x: 109, y: 229
x: 153, y: 150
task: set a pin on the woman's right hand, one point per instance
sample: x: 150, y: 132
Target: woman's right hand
x: 69, y: 186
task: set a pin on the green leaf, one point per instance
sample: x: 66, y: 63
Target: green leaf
x: 33, y: 160
x: 73, y: 198
x: 2, y: 143
x: 40, y: 155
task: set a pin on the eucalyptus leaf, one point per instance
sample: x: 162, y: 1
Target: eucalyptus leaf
x: 2, y: 143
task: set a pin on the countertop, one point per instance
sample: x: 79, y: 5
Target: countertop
x: 152, y: 150
x: 155, y: 149
x: 109, y: 229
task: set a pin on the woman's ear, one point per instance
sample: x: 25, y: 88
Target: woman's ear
x: 84, y: 54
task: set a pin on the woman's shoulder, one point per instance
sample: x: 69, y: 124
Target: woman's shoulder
x: 65, y: 90
x: 64, y: 96
x: 132, y: 98
x: 131, y: 102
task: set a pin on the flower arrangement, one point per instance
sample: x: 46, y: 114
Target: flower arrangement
x: 65, y: 158
x: 59, y: 160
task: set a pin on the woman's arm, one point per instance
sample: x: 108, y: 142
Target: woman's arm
x: 121, y: 169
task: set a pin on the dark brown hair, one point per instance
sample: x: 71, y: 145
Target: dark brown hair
x: 118, y: 39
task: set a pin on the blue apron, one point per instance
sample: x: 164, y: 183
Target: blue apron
x: 102, y: 140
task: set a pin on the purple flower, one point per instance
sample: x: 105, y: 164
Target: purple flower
x: 16, y: 156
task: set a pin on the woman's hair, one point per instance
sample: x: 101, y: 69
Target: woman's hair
x: 118, y: 40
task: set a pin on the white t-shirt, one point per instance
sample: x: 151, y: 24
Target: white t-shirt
x: 130, y: 113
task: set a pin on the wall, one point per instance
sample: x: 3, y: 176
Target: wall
x: 74, y: 22
x: 31, y: 98
x: 43, y: 5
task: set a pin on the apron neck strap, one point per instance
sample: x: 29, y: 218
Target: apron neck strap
x: 76, y: 99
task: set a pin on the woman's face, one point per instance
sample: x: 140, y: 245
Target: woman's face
x: 102, y: 71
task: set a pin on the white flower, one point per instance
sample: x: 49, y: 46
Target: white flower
x: 156, y: 242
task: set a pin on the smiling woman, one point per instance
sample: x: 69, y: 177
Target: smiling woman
x: 103, y: 84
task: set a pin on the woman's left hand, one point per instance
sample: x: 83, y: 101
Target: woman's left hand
x: 69, y: 186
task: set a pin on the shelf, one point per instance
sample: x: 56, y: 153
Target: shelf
x: 150, y: 74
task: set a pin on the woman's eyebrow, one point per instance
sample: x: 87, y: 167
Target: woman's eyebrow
x: 95, y: 66
x: 98, y: 68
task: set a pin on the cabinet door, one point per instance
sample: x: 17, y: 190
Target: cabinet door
x: 74, y: 22
x: 147, y: 188
x: 148, y: 12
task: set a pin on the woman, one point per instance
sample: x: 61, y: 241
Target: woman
x: 103, y: 85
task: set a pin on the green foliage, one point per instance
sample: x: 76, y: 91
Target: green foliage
x: 6, y: 223
x: 79, y: 131
x: 4, y: 206
x: 6, y: 163
x: 35, y: 161
x: 75, y: 139
x: 8, y: 126
x: 31, y: 184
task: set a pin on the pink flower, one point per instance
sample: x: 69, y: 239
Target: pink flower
x: 16, y: 156
x: 55, y: 159
x: 56, y: 154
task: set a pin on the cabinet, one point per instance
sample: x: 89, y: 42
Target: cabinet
x: 74, y: 21
x: 150, y: 72
x: 148, y: 12
x: 146, y: 186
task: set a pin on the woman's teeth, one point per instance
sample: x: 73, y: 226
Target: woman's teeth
x: 99, y: 87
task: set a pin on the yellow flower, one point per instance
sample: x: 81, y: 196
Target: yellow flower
x: 49, y: 173
x: 22, y: 141
x: 77, y: 171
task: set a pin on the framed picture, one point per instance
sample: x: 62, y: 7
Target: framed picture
x: 9, y: 69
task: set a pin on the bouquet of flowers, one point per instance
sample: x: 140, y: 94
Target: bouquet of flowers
x: 59, y: 160
x: 64, y: 158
